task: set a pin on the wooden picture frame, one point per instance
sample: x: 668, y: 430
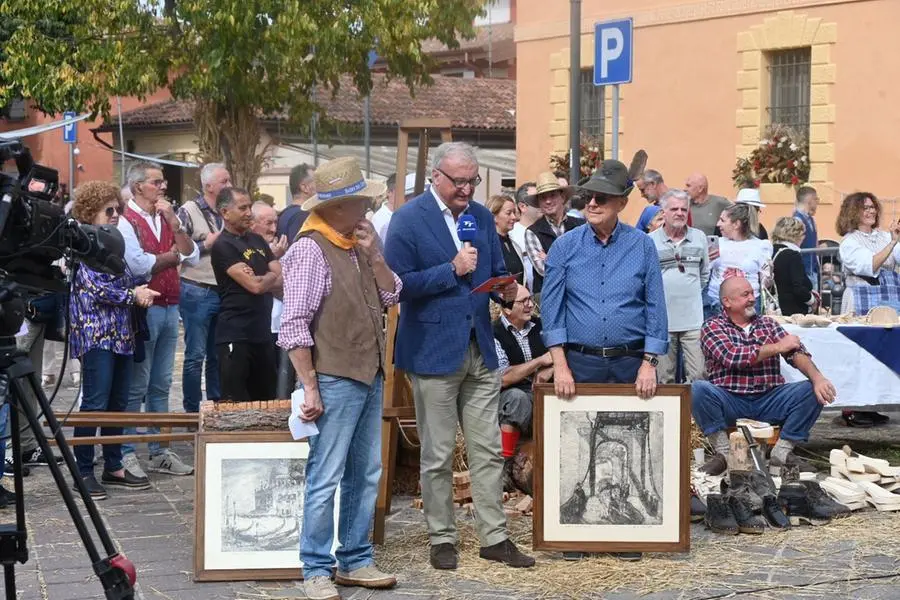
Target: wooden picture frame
x: 626, y: 506
x: 266, y: 477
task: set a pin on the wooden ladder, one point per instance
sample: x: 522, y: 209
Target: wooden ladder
x: 398, y: 403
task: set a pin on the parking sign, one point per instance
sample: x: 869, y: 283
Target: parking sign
x: 69, y: 131
x: 613, y: 52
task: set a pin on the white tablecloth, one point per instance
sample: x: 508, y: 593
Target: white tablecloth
x: 860, y: 378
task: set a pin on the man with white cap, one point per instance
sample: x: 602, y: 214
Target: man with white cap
x: 382, y: 217
x: 336, y: 286
x: 751, y: 197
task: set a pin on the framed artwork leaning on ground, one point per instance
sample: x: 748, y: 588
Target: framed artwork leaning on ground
x: 612, y: 471
x: 248, y: 508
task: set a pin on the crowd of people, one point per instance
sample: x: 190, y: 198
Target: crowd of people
x: 271, y: 301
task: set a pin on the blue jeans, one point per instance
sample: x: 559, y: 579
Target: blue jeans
x: 153, y: 376
x: 199, y: 307
x: 347, y: 451
x: 587, y: 368
x: 793, y: 406
x: 105, y: 379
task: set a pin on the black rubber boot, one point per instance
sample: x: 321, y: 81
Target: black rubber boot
x: 740, y: 483
x: 822, y: 502
x: 743, y: 514
x: 698, y: 507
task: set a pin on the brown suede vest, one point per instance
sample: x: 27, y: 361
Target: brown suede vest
x: 348, y: 333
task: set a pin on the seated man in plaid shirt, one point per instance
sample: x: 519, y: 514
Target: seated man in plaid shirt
x: 742, y: 351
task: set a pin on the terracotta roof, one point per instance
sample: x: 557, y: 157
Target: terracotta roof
x: 468, y: 103
x: 495, y: 34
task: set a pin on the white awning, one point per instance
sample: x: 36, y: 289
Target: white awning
x: 18, y: 134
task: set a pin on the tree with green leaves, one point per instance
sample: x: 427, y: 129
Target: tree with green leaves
x: 238, y: 60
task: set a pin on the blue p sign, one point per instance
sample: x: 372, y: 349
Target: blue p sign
x: 613, y: 56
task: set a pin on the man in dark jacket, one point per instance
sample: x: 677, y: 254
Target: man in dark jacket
x: 523, y: 360
x: 551, y: 199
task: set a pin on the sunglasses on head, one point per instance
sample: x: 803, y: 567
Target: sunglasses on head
x: 112, y: 210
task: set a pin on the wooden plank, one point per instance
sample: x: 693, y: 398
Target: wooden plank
x: 129, y: 439
x: 86, y: 419
x: 426, y: 123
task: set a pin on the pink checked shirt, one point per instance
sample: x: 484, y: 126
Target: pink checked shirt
x: 307, y: 281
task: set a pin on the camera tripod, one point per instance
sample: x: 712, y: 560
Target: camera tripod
x: 17, y: 378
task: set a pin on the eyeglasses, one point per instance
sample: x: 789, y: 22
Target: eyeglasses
x: 157, y: 182
x: 869, y: 207
x: 525, y: 301
x: 600, y: 199
x: 112, y: 210
x: 461, y: 182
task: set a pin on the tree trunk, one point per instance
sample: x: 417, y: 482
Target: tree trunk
x: 232, y: 135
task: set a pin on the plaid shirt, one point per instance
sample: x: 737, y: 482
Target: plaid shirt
x: 730, y: 352
x: 533, y: 244
x: 521, y: 336
x: 307, y: 281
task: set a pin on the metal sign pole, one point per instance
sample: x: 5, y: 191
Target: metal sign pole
x: 575, y: 92
x: 615, y: 122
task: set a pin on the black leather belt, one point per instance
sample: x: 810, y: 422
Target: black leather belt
x: 631, y: 350
x: 200, y: 284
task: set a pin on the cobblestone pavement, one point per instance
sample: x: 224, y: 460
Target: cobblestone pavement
x: 154, y: 529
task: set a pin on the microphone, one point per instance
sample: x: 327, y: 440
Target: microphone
x: 467, y: 230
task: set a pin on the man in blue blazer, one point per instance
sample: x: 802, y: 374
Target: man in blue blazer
x: 445, y: 344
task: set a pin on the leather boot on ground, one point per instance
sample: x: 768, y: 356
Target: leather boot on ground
x: 506, y: 553
x: 739, y: 483
x: 698, y: 507
x: 760, y: 484
x: 794, y: 501
x: 773, y: 514
x: 823, y: 503
x: 443, y: 557
x: 743, y: 513
x: 719, y: 517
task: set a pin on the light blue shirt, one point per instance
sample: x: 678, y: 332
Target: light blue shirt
x: 604, y: 295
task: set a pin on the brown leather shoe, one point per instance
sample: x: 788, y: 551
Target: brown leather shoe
x: 715, y: 465
x: 443, y: 557
x: 506, y: 553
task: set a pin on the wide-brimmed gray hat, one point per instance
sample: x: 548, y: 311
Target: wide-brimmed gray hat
x: 611, y: 178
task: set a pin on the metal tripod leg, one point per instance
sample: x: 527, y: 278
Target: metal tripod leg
x: 22, y: 380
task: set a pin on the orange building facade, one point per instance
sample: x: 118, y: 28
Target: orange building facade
x: 710, y: 76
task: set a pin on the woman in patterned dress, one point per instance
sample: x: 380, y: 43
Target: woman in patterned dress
x: 102, y: 338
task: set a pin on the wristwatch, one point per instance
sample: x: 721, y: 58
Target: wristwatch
x: 651, y: 358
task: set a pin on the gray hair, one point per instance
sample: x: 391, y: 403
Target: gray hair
x: 137, y: 172
x: 805, y: 192
x: 227, y: 197
x: 208, y: 170
x: 453, y: 149
x: 651, y: 176
x: 677, y: 194
x: 259, y: 206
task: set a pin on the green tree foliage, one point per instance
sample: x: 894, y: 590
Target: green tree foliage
x: 238, y: 60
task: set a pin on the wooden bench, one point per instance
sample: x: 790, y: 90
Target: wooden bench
x: 165, y: 421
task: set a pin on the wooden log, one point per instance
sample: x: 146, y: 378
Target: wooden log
x: 525, y: 505
x: 739, y: 453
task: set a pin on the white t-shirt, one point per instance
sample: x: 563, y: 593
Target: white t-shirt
x: 750, y: 256
x: 857, y: 250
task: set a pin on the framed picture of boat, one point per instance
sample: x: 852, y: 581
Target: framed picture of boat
x: 611, y: 470
x: 249, y: 506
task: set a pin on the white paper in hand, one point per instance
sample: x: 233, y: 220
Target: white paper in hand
x: 300, y: 429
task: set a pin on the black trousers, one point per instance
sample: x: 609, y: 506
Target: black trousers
x: 247, y: 371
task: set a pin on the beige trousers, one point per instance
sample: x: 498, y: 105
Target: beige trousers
x: 689, y: 341
x: 471, y: 397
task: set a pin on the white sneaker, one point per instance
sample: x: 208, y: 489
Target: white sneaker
x: 320, y: 588
x: 131, y: 464
x: 169, y: 463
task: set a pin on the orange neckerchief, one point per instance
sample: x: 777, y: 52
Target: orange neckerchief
x: 315, y: 223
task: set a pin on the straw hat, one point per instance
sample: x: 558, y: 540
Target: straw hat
x: 749, y: 196
x: 545, y: 183
x: 341, y: 179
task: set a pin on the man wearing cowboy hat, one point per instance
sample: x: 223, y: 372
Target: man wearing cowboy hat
x: 550, y: 197
x: 445, y: 343
x: 337, y: 285
x: 603, y: 307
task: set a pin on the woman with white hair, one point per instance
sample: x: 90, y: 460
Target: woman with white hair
x: 795, y: 293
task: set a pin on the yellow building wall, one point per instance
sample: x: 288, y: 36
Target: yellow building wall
x: 699, y: 93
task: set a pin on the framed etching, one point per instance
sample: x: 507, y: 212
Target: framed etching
x: 612, y: 471
x: 249, y: 506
